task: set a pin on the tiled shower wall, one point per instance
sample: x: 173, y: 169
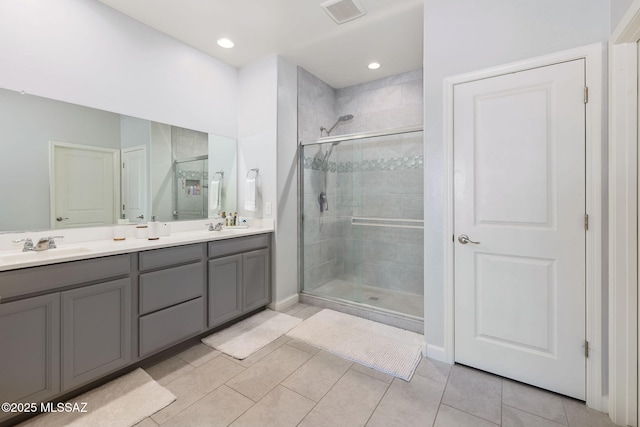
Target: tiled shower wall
x: 380, y: 177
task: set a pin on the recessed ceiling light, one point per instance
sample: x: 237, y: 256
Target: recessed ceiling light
x: 374, y: 66
x: 225, y: 43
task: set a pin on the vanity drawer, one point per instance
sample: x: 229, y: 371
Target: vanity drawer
x: 14, y: 283
x: 164, y: 328
x: 162, y: 288
x: 239, y: 244
x: 167, y: 257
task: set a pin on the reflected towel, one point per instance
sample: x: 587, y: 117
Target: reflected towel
x: 250, y: 194
x: 215, y: 194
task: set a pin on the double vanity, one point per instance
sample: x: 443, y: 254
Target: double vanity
x: 72, y: 317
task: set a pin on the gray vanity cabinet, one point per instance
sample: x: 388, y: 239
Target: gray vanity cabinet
x: 225, y: 289
x: 239, y: 277
x: 30, y: 350
x: 256, y: 279
x: 96, y: 324
x: 171, y: 296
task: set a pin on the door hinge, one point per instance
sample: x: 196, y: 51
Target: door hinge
x: 453, y: 237
x: 122, y: 165
x: 586, y: 94
x: 586, y: 222
x: 586, y: 348
x: 122, y: 207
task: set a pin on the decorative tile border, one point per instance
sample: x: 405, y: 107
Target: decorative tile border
x: 196, y: 175
x: 397, y: 163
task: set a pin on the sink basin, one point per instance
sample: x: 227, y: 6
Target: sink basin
x: 48, y: 254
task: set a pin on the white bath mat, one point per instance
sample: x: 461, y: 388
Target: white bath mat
x: 122, y: 402
x: 251, y: 334
x: 384, y: 348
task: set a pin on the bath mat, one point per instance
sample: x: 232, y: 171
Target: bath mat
x: 124, y: 401
x: 251, y: 334
x: 384, y: 348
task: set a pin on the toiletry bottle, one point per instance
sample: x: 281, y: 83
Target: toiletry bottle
x: 153, y: 229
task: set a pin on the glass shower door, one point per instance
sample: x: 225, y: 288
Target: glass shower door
x: 191, y: 188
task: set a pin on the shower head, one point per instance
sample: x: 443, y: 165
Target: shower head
x: 341, y: 119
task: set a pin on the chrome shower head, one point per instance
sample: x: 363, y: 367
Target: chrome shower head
x: 341, y: 119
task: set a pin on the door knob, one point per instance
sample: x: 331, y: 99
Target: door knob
x: 59, y: 219
x: 464, y: 239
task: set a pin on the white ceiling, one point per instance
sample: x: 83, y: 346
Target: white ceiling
x: 299, y: 30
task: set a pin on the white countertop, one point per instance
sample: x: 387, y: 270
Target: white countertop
x: 76, y: 248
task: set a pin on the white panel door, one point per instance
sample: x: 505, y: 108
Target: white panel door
x: 134, y: 184
x: 84, y: 187
x: 519, y: 192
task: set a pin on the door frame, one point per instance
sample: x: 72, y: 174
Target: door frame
x: 623, y: 218
x: 595, y: 136
x: 52, y: 179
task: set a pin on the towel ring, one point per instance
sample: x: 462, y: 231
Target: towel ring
x: 256, y: 170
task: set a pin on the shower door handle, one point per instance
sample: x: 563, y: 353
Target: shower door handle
x: 140, y: 217
x: 464, y: 239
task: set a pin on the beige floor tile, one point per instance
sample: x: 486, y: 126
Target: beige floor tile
x: 196, y: 384
x: 147, y: 422
x: 433, y: 369
x: 198, y: 354
x: 534, y: 401
x: 512, y: 417
x: 451, y: 417
x: 263, y: 376
x: 474, y: 392
x: 301, y: 345
x: 581, y: 416
x: 408, y: 404
x: 372, y: 373
x: 168, y: 370
x: 280, y: 408
x: 260, y: 354
x: 218, y: 408
x: 307, y: 312
x: 349, y: 403
x: 295, y: 308
x: 317, y: 375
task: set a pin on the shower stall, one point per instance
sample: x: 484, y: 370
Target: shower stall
x: 362, y: 221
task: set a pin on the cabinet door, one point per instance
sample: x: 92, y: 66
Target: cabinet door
x: 30, y: 349
x: 256, y: 279
x: 225, y: 289
x: 96, y: 331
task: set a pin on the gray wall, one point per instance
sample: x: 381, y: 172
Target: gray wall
x: 465, y: 35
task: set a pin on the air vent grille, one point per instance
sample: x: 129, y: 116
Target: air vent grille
x: 343, y: 11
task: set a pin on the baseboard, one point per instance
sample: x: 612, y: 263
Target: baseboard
x: 285, y: 303
x: 435, y: 352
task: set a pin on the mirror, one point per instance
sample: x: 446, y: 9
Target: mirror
x: 65, y: 165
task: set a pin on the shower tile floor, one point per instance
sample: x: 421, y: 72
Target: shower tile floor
x: 388, y: 299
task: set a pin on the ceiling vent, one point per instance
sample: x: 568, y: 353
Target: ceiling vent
x: 343, y: 11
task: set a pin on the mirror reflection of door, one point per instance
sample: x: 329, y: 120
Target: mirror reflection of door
x: 134, y: 184
x: 84, y: 185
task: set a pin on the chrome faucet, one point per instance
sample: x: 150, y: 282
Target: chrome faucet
x: 46, y: 243
x: 217, y: 227
x: 28, y: 244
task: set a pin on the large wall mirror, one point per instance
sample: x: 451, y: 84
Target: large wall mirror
x: 69, y: 166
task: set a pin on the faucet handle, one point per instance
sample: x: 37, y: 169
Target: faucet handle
x: 52, y: 242
x: 28, y: 244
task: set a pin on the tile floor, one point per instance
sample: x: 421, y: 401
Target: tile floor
x: 289, y: 383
